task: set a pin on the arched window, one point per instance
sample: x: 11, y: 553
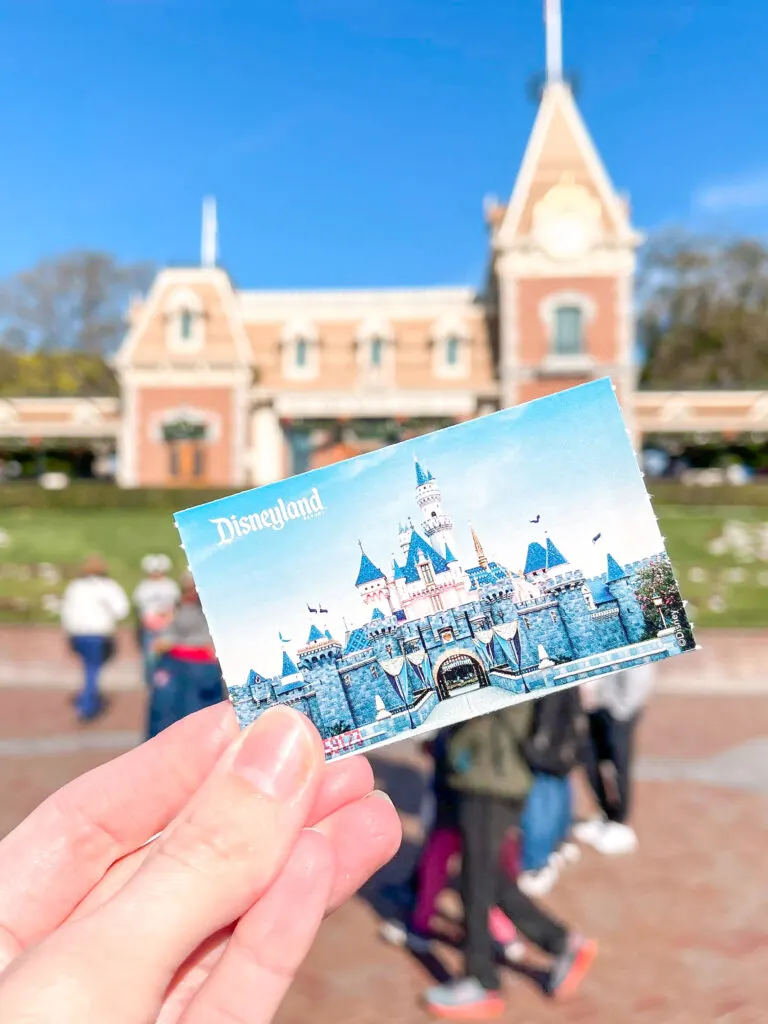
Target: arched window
x: 568, y: 337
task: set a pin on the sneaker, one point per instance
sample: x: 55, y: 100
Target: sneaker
x: 570, y: 852
x: 464, y: 999
x: 396, y: 934
x: 571, y: 967
x: 514, y: 952
x: 616, y: 839
x: 537, y: 883
x: 589, y: 832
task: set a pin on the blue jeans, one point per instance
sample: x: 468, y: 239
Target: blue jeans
x: 93, y: 652
x: 546, y: 819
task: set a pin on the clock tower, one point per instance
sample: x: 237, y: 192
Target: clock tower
x: 563, y: 256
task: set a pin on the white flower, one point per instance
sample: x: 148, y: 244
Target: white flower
x: 696, y: 574
x: 5, y: 539
x: 716, y: 604
x: 734, y: 575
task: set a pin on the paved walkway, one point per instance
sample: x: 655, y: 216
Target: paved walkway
x: 682, y: 924
x: 730, y: 661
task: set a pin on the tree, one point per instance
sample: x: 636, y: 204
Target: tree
x: 51, y: 374
x: 659, y: 596
x: 704, y: 313
x: 72, y: 302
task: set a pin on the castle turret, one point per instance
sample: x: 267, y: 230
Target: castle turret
x: 619, y: 586
x: 371, y: 583
x: 437, y: 525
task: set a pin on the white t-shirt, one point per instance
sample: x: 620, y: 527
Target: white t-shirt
x: 92, y: 606
x: 156, y: 598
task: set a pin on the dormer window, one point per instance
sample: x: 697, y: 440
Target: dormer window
x: 301, y: 351
x: 451, y: 348
x: 377, y: 351
x: 184, y: 321
x: 375, y: 343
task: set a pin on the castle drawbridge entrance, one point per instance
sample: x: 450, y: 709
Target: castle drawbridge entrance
x: 460, y: 672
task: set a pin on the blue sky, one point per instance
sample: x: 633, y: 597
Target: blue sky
x: 350, y: 142
x: 565, y: 458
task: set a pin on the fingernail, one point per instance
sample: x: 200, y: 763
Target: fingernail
x: 276, y: 755
x: 379, y: 794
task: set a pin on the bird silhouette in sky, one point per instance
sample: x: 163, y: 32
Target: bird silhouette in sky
x: 536, y: 520
x: 597, y: 538
x: 283, y: 639
x: 323, y: 611
x: 312, y: 611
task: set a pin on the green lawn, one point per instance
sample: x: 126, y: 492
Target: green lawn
x: 726, y: 585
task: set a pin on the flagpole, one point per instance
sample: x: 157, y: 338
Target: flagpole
x: 553, y: 22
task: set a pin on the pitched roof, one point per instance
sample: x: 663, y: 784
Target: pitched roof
x: 368, y: 571
x: 377, y: 614
x: 540, y: 558
x: 449, y: 555
x: 289, y: 668
x: 315, y: 634
x: 560, y: 144
x: 420, y: 547
x: 554, y: 557
x: 398, y: 570
x: 423, y: 476
x: 356, y: 641
x: 615, y: 571
x: 536, y: 559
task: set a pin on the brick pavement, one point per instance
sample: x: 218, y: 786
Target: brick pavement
x: 681, y: 924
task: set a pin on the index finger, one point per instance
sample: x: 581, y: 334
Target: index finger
x: 55, y: 856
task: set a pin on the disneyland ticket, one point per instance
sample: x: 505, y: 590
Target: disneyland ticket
x: 444, y: 577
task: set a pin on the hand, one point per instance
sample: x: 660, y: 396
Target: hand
x: 209, y: 922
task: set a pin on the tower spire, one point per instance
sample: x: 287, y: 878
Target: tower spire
x: 482, y: 561
x: 209, y: 237
x: 553, y: 22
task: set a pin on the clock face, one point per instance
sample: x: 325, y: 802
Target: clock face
x: 566, y: 222
x: 567, y: 238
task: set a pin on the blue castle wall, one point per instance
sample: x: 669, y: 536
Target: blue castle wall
x: 574, y: 620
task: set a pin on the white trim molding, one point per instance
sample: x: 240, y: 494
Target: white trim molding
x: 343, y: 306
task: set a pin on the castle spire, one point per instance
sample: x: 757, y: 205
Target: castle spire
x: 482, y: 561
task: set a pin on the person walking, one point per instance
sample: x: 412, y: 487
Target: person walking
x: 431, y: 874
x: 155, y: 600
x: 91, y: 608
x: 491, y: 777
x: 187, y: 676
x: 615, y: 704
x: 553, y: 749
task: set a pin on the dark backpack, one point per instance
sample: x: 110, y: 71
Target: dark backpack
x: 556, y: 738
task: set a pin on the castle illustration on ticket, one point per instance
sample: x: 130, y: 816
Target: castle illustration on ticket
x: 497, y: 580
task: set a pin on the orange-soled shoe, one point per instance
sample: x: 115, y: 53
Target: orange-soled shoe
x: 571, y: 967
x: 464, y: 999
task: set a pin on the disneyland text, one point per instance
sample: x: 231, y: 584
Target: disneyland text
x: 273, y: 518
